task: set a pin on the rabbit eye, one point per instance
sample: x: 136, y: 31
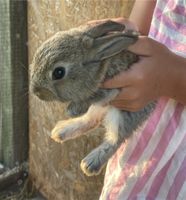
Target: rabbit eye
x: 58, y: 73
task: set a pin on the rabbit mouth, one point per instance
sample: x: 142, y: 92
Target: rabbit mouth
x: 42, y: 93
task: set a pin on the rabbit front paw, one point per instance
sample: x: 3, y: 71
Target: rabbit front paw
x: 65, y: 130
x: 62, y: 131
x: 70, y: 129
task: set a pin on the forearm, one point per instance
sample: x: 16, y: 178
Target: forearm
x: 176, y: 87
x: 141, y: 15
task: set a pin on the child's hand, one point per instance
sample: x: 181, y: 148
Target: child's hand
x: 155, y: 75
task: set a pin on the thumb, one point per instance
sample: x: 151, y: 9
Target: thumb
x: 142, y: 47
x: 118, y: 81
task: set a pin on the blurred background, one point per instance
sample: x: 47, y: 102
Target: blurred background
x: 30, y: 162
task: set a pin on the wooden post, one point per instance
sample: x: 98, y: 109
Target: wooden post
x: 13, y: 82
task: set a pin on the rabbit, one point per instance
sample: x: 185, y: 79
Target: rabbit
x: 70, y: 67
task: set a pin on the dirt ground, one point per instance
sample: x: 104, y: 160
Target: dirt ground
x: 20, y: 191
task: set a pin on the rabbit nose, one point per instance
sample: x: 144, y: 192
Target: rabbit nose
x: 42, y: 93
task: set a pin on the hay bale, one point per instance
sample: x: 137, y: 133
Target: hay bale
x: 54, y: 167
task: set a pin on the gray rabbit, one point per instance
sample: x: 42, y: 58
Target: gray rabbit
x: 70, y: 67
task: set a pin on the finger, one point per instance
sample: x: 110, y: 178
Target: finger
x: 100, y: 21
x: 127, y: 105
x: 118, y: 81
x: 123, y: 102
x: 142, y: 47
x: 126, y: 95
x: 122, y: 105
x: 97, y: 21
x: 128, y: 24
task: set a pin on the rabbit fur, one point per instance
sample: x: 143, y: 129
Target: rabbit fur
x: 70, y: 67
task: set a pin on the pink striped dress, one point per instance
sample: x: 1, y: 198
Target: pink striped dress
x: 151, y: 165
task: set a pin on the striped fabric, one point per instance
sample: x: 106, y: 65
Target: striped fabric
x: 151, y: 165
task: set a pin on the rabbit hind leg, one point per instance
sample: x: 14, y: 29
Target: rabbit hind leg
x: 93, y: 163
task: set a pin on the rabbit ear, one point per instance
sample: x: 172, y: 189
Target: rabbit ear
x: 104, y: 28
x: 109, y: 45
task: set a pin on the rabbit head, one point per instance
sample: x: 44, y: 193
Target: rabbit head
x: 69, y: 65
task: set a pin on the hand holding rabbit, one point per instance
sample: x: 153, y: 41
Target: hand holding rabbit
x: 155, y: 75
